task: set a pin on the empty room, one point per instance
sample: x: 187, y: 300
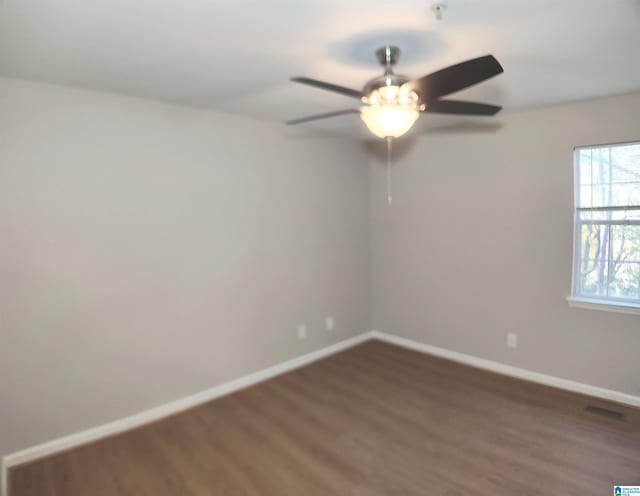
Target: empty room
x: 319, y: 248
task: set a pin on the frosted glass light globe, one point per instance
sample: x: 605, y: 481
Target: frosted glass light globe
x: 391, y: 112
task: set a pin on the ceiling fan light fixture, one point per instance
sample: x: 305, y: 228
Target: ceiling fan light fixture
x: 389, y: 120
x: 391, y: 112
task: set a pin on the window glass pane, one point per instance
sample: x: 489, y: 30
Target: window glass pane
x: 600, y: 167
x: 624, y: 280
x: 593, y: 279
x: 625, y: 162
x: 594, y: 260
x: 585, y: 170
x: 625, y: 262
x: 628, y: 215
x: 585, y: 196
x: 625, y: 244
x: 604, y: 169
x: 600, y: 194
x: 625, y: 194
x: 585, y: 158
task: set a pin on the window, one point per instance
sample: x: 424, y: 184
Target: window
x: 606, y: 260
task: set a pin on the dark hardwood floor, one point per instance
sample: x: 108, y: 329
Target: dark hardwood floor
x: 373, y: 420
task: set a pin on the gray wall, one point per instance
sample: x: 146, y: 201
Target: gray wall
x: 149, y: 252
x: 478, y: 243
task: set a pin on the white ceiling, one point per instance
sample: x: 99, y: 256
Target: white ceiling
x: 238, y: 56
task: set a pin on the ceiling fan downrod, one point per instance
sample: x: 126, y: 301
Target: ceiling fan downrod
x: 388, y: 57
x: 389, y: 140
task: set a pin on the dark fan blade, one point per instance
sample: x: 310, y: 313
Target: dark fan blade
x: 323, y: 116
x: 328, y: 86
x: 458, y: 107
x: 455, y: 78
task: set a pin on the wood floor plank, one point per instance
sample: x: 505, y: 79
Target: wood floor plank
x: 375, y: 420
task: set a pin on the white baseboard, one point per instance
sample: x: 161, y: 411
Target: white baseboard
x: 157, y: 413
x: 501, y: 368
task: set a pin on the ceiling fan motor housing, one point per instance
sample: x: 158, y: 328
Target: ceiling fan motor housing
x: 388, y: 57
x: 384, y: 80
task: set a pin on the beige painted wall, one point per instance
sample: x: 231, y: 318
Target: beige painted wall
x: 478, y: 243
x: 150, y: 251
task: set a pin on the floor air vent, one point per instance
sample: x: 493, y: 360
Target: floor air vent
x: 604, y: 412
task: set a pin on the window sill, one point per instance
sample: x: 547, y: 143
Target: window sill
x: 604, y: 305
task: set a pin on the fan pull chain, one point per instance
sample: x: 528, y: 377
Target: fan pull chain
x: 389, y: 197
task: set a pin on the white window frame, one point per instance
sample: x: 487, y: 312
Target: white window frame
x: 609, y: 304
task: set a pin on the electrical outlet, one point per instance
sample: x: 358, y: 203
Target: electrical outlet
x: 329, y: 323
x: 512, y: 340
x: 302, y: 331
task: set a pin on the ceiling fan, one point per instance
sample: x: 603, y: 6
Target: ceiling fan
x: 392, y: 102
